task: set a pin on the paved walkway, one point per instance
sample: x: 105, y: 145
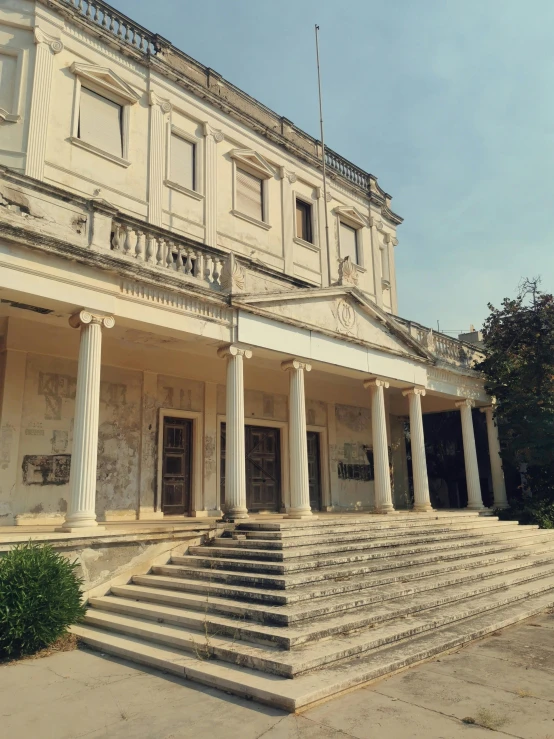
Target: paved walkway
x: 504, y: 683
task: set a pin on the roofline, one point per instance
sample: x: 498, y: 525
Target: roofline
x: 158, y: 53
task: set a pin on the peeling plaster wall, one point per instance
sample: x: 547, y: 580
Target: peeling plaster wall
x: 41, y: 481
x: 353, y: 434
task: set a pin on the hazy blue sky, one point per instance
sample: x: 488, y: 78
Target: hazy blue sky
x: 450, y: 103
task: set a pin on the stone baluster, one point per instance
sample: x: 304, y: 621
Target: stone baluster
x: 160, y: 253
x: 140, y: 245
x: 498, y: 484
x: 179, y: 261
x: 422, y: 500
x: 82, y: 481
x: 188, y: 263
x: 235, y: 452
x: 118, y: 236
x: 129, y: 245
x: 474, y: 499
x: 383, y: 492
x: 218, y: 266
x: 169, y: 263
x: 298, y: 445
x: 151, y: 248
x: 199, y: 265
x: 208, y: 270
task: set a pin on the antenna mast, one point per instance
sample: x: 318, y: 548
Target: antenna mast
x: 322, y: 149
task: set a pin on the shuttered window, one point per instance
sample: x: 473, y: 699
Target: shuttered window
x: 348, y: 242
x: 304, y: 221
x: 100, y: 122
x: 181, y: 168
x: 250, y: 194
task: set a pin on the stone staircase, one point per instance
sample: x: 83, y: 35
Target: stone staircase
x: 331, y: 603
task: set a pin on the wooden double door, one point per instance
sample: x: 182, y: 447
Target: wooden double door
x: 263, y: 468
x: 176, y: 467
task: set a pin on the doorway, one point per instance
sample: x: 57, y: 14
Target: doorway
x: 314, y: 470
x: 263, y: 467
x: 176, y: 465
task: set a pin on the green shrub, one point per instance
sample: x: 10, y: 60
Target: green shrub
x: 530, y: 511
x: 40, y: 596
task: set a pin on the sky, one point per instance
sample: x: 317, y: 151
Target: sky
x: 449, y: 103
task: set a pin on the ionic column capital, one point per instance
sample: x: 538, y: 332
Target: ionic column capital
x: 215, y: 133
x: 85, y: 317
x: 41, y: 37
x: 468, y: 402
x: 296, y: 364
x: 165, y: 105
x: 414, y: 391
x: 375, y: 382
x: 232, y: 350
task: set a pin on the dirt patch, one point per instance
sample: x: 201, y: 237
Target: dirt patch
x: 66, y: 643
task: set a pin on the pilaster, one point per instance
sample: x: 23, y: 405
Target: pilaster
x: 498, y: 483
x: 375, y: 226
x: 47, y: 47
x: 383, y: 491
x: 82, y: 480
x: 212, y: 137
x: 287, y: 219
x: 422, y: 501
x: 211, y: 498
x: 298, y: 448
x: 474, y: 498
x: 159, y: 111
x: 11, y: 409
x: 149, y: 508
x: 235, y: 453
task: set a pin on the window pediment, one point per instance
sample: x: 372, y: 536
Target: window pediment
x: 253, y: 161
x: 351, y: 216
x: 106, y: 81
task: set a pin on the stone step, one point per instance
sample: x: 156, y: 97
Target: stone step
x: 270, y: 581
x: 323, y: 627
x: 369, y: 534
x: 345, y: 519
x: 305, y: 690
x: 213, y: 559
x: 237, y: 603
x: 314, y: 655
x: 227, y: 547
x: 476, y: 523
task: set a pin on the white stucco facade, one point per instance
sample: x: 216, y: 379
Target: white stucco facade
x: 139, y: 297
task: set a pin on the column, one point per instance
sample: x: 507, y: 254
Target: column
x: 158, y: 111
x: 498, y: 484
x: 298, y: 445
x: 212, y: 137
x: 422, y: 501
x: 474, y: 499
x: 383, y: 492
x: 235, y: 452
x: 46, y: 47
x: 82, y: 479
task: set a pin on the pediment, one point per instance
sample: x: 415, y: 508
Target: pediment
x: 106, y: 79
x: 352, y: 215
x: 254, y: 161
x: 342, y: 312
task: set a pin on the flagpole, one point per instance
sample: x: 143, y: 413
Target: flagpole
x: 322, y: 150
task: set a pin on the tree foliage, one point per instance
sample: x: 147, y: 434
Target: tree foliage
x: 519, y: 373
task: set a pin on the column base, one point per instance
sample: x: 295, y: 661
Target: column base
x: 475, y: 507
x: 384, y: 509
x: 235, y: 514
x: 298, y: 513
x: 501, y: 506
x: 424, y: 508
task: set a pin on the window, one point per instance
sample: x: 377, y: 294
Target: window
x: 304, y: 221
x: 348, y: 242
x: 182, y: 162
x: 100, y: 122
x: 250, y: 194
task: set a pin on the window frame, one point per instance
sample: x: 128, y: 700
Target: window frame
x: 197, y: 191
x: 314, y: 243
x: 13, y: 115
x: 351, y: 218
x: 105, y: 83
x: 254, y: 164
x: 342, y: 222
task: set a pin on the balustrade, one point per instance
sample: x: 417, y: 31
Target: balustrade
x: 161, y: 251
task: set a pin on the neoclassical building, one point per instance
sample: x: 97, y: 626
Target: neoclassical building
x: 179, y: 336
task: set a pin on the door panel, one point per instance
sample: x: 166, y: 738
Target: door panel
x: 176, y: 470
x: 263, y: 467
x: 314, y: 470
